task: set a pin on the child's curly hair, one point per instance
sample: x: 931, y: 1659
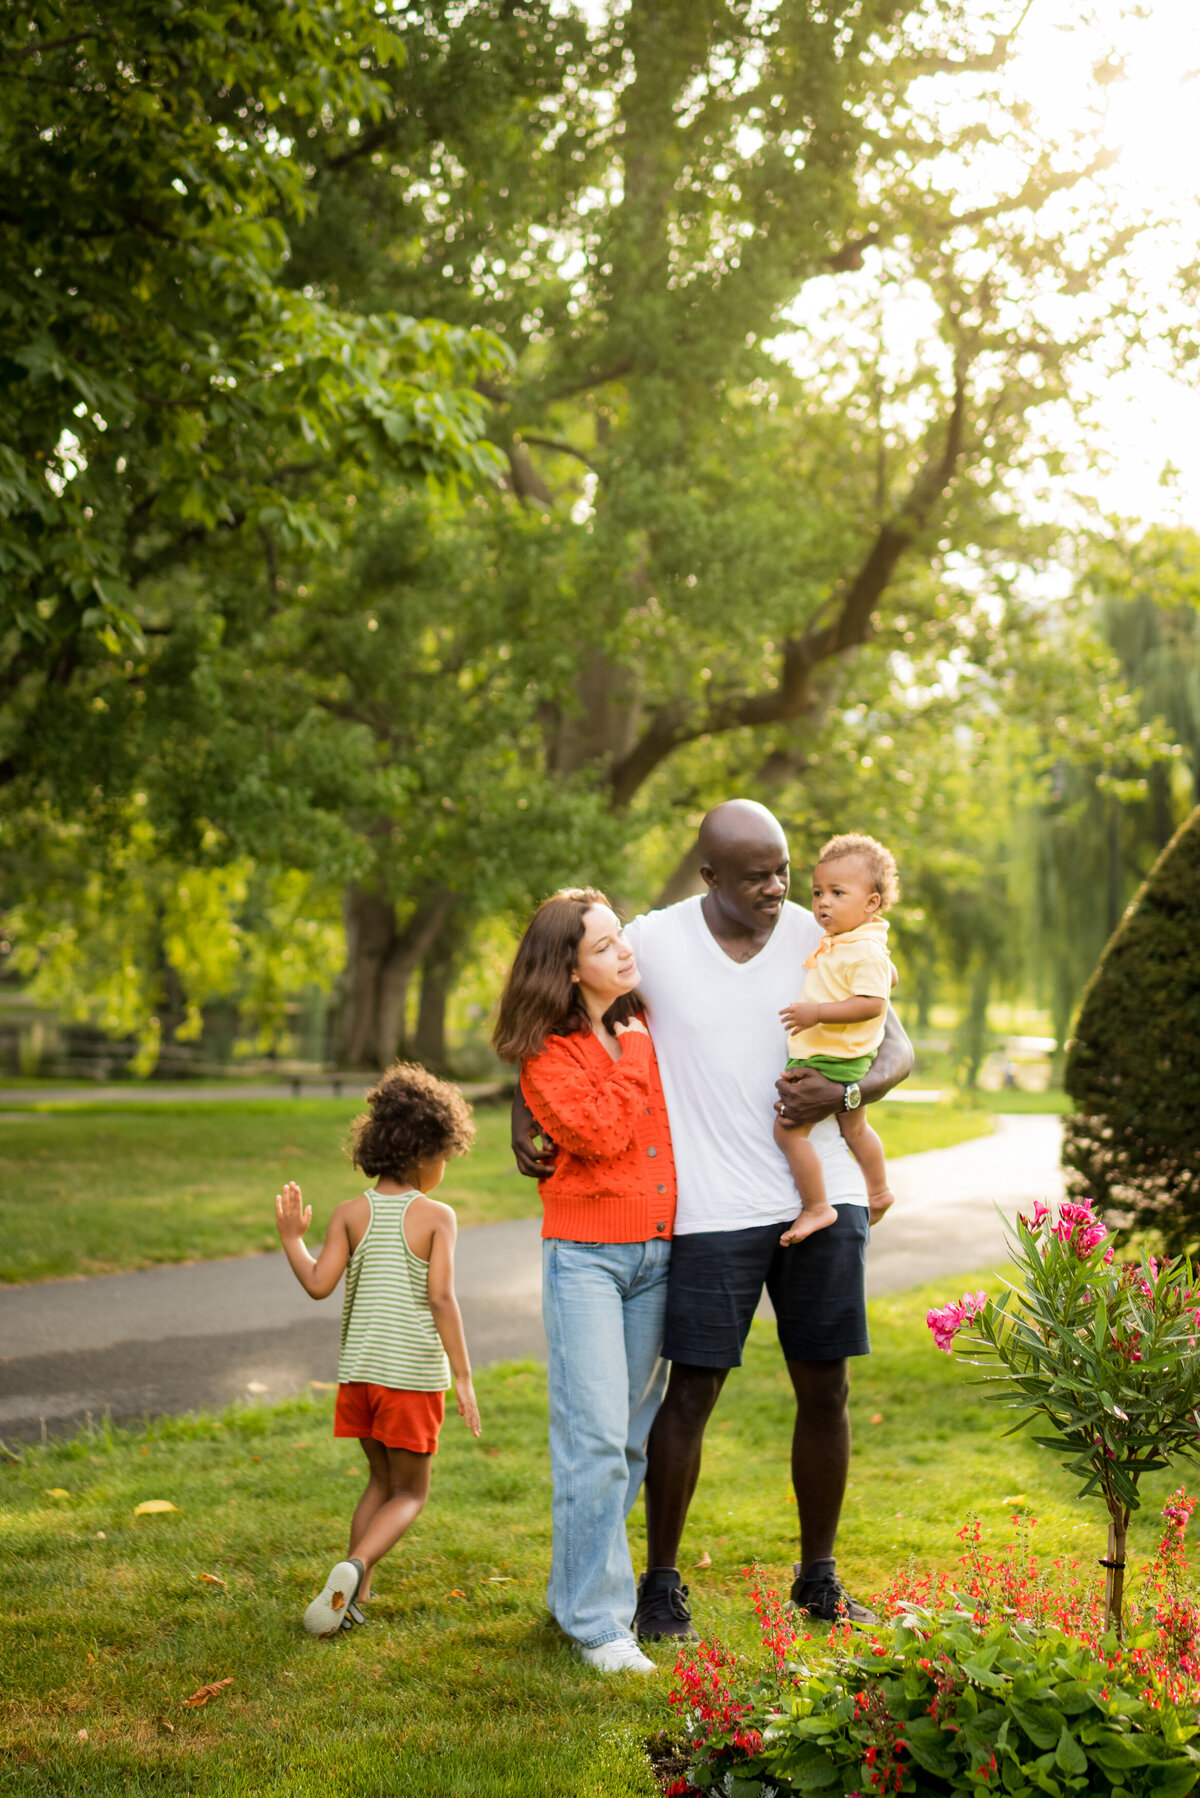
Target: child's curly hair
x: 881, y: 863
x: 412, y: 1117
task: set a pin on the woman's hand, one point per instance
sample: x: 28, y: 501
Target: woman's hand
x: 634, y: 1027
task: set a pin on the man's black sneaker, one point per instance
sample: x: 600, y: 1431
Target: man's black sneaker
x: 662, y: 1613
x: 823, y: 1596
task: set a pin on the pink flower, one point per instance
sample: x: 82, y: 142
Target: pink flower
x: 1090, y: 1239
x: 1040, y: 1214
x: 949, y: 1320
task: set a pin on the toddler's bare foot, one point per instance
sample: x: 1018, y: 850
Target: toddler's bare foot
x: 819, y: 1218
x: 880, y: 1202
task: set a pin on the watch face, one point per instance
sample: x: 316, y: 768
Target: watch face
x: 853, y: 1097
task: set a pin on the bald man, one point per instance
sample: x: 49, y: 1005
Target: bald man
x: 715, y: 971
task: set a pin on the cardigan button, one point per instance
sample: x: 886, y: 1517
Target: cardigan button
x: 652, y: 1152
x: 661, y: 1189
x: 660, y: 1226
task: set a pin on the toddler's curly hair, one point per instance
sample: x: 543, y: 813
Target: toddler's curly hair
x: 881, y: 863
x: 412, y: 1117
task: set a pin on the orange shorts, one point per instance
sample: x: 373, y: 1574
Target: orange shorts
x: 397, y: 1419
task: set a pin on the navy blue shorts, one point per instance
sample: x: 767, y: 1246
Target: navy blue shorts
x: 816, y: 1287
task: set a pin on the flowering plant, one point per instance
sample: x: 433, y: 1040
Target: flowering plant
x: 1100, y: 1355
x: 1002, y: 1678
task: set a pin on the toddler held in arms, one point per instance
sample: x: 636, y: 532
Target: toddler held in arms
x: 402, y: 1334
x: 838, y: 1023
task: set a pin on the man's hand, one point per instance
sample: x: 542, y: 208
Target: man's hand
x: 802, y: 1014
x: 537, y: 1164
x: 805, y: 1097
x: 292, y: 1216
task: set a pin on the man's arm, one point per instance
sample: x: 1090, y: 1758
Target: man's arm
x: 538, y: 1164
x: 806, y: 1096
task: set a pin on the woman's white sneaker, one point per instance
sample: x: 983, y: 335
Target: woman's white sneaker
x: 621, y: 1656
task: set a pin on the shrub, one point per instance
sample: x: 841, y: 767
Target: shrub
x: 1101, y: 1357
x: 1005, y: 1682
x: 1134, y: 1067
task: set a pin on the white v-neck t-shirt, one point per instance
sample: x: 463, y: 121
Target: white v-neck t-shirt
x: 721, y: 1047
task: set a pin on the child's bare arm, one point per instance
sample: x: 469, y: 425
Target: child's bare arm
x: 806, y: 1012
x: 292, y: 1219
x: 446, y: 1315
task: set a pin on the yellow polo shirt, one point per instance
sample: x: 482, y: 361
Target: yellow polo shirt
x: 855, y: 965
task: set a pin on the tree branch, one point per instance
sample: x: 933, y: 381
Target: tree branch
x: 680, y: 721
x: 850, y: 257
x: 563, y: 449
x: 52, y: 43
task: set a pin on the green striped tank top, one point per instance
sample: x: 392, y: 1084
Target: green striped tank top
x: 388, y: 1333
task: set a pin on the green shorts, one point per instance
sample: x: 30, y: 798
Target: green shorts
x: 845, y: 1068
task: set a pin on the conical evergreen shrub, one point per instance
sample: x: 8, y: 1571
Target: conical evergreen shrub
x: 1134, y: 1067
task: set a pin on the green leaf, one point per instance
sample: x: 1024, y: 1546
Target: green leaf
x: 1069, y: 1755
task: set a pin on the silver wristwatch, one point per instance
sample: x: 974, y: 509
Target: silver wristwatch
x: 853, y: 1098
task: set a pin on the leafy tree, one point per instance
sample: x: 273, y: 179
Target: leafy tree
x: 158, y: 381
x: 724, y: 537
x: 1134, y: 1067
x: 702, y: 562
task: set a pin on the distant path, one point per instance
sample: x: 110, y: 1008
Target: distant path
x: 325, y: 1086
x: 177, y: 1338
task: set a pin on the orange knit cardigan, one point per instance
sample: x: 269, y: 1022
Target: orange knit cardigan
x: 615, y: 1177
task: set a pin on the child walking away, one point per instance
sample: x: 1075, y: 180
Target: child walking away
x: 838, y: 1023
x: 402, y: 1333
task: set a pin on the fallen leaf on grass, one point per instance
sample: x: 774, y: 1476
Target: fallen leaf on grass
x: 82, y: 1734
x: 56, y: 1492
x: 212, y: 1579
x: 100, y: 1536
x: 150, y: 1506
x: 91, y: 1657
x: 704, y: 1561
x: 456, y: 1592
x: 256, y: 1386
x: 300, y: 1445
x: 201, y: 1697
x: 501, y: 1579
x: 323, y: 1385
x: 145, y: 1450
x: 878, y: 1417
x: 164, y: 1724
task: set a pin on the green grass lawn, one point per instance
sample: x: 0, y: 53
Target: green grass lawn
x: 89, y: 1189
x: 459, y: 1685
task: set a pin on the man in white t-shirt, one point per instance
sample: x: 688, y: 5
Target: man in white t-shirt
x: 716, y: 970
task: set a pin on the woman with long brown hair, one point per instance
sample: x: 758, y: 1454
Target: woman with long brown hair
x: 571, y: 1018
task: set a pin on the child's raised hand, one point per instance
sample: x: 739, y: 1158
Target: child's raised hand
x: 801, y: 1015
x: 468, y: 1410
x: 292, y: 1216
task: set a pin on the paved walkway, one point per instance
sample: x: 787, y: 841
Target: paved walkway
x: 176, y: 1338
x: 163, y: 1092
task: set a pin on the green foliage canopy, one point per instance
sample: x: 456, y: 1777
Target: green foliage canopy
x: 158, y: 381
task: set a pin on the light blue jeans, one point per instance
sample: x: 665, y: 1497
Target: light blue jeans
x: 603, y: 1305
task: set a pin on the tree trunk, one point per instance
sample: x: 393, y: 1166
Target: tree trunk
x: 381, y: 958
x: 1114, y: 1570
x: 684, y: 880
x: 437, y: 982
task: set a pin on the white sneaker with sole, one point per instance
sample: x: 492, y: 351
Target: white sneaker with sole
x: 327, y: 1612
x: 621, y: 1656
